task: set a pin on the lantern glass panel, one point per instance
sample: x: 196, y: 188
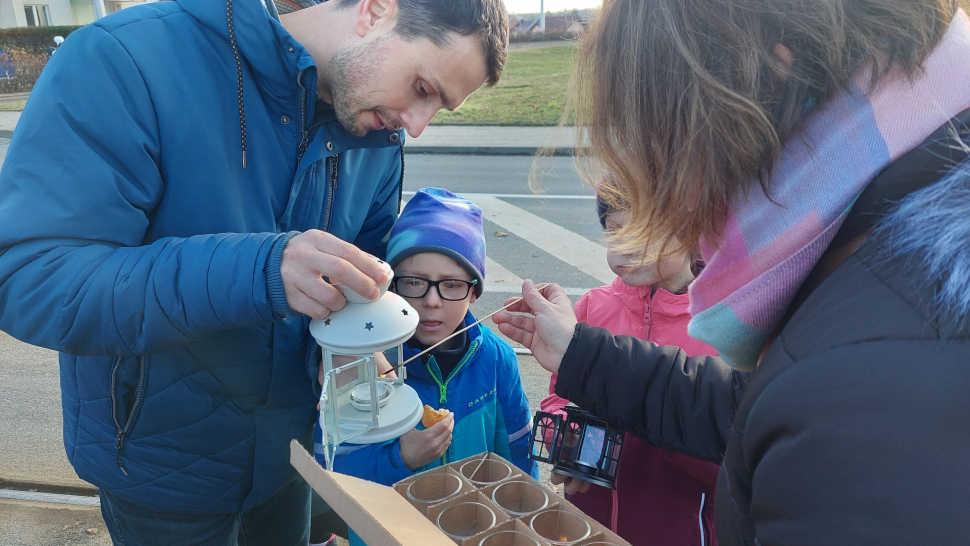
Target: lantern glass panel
x: 591, y: 450
x: 571, y: 441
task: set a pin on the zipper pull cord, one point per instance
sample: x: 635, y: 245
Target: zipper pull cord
x: 119, y: 445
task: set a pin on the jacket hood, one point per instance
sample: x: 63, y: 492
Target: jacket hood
x: 261, y: 39
x: 931, y: 227
x: 257, y: 40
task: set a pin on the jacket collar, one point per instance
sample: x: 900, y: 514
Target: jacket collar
x: 475, y: 336
x: 661, y: 303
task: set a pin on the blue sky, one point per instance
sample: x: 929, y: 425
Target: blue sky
x: 532, y: 6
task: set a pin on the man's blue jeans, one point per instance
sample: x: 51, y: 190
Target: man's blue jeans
x: 283, y: 520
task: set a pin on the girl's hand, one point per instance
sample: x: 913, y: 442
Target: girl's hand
x: 572, y: 485
x: 549, y: 329
x: 420, y: 447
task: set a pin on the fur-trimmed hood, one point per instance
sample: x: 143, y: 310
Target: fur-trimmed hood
x: 932, y: 227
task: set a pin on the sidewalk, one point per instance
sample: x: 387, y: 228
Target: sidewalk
x: 8, y: 122
x: 492, y: 140
x: 451, y: 139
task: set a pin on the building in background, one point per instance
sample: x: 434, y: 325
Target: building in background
x: 43, y: 13
x: 569, y: 23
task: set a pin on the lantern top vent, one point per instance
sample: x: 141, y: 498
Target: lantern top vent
x: 365, y: 326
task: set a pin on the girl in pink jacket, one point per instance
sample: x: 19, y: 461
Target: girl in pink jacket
x: 661, y: 498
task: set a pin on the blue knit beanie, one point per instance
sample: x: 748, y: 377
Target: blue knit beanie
x: 436, y: 220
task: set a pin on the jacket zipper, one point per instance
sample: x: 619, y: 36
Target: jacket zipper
x: 305, y: 134
x: 331, y: 188
x: 305, y: 143
x: 123, y: 430
x: 443, y: 387
x: 700, y: 519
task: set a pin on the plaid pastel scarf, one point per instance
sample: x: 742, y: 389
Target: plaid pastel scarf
x: 768, y: 247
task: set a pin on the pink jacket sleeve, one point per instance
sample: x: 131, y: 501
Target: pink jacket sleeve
x: 553, y: 403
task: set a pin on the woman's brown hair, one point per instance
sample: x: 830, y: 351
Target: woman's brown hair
x: 687, y: 102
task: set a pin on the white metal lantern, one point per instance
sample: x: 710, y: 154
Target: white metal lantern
x: 356, y: 405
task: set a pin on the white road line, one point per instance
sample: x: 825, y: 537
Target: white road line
x: 497, y: 276
x: 571, y: 248
x: 502, y: 281
x: 476, y: 196
x: 505, y: 289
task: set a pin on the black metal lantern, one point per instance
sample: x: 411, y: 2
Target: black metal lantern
x: 579, y: 445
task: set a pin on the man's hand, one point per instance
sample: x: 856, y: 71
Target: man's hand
x: 312, y: 255
x: 573, y: 485
x: 420, y: 447
x: 548, y: 331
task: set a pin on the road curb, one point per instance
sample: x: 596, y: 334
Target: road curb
x: 6, y: 133
x: 47, y: 487
x: 489, y: 150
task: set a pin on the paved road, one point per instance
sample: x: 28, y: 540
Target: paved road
x: 551, y: 238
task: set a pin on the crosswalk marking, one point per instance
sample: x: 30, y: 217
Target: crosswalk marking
x: 502, y: 281
x: 498, y: 277
x: 572, y: 248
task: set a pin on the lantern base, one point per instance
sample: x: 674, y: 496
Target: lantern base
x: 401, y: 413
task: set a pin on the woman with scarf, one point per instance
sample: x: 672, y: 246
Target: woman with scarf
x: 821, y: 150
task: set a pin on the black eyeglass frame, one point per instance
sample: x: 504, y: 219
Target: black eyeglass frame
x: 468, y: 284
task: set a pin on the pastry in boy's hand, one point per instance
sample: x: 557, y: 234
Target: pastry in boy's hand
x: 432, y: 416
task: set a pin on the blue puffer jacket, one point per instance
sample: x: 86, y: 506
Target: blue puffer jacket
x: 134, y: 241
x: 484, y: 392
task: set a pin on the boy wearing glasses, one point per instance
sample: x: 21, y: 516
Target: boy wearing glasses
x: 437, y: 251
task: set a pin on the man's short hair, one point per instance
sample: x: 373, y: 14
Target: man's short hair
x: 434, y: 19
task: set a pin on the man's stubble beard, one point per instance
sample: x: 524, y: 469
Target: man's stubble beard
x: 352, y: 68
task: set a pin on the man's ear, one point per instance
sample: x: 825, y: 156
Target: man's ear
x: 375, y: 14
x: 472, y: 298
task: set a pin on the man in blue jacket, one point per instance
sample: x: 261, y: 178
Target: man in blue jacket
x: 166, y: 221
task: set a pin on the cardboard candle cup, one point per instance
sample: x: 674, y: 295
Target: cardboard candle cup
x: 489, y: 471
x: 465, y: 519
x: 509, y: 538
x: 560, y: 527
x: 519, y: 498
x: 433, y: 488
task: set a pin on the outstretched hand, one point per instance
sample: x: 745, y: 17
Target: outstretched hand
x: 546, y: 325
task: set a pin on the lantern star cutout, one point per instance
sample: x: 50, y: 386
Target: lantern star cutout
x: 369, y: 326
x: 326, y: 322
x: 405, y: 311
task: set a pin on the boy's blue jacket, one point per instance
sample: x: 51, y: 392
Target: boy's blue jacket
x: 133, y: 241
x: 484, y: 392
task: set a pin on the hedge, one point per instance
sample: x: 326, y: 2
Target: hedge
x: 26, y: 49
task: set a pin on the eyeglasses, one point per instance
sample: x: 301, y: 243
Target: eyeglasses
x: 418, y: 287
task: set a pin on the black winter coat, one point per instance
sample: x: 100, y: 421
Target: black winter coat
x: 855, y: 427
